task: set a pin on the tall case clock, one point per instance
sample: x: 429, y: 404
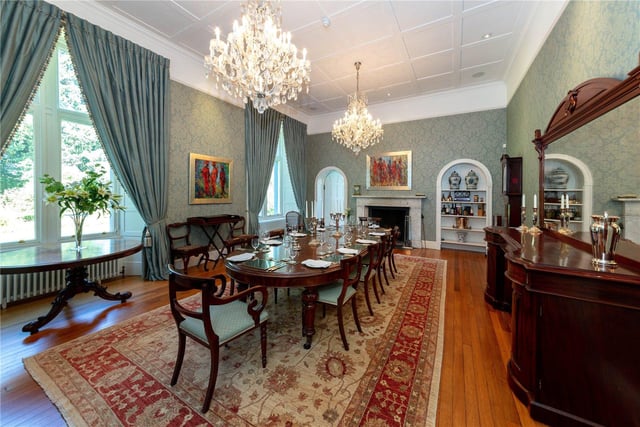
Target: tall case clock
x: 512, y: 189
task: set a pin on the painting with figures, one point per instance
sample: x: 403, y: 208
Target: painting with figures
x: 389, y: 171
x: 209, y: 179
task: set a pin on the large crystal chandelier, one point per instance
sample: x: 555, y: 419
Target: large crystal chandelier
x: 357, y: 130
x: 258, y: 60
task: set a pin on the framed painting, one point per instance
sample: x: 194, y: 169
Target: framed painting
x: 209, y: 179
x: 389, y: 171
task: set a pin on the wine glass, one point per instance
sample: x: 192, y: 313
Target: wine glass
x: 255, y: 243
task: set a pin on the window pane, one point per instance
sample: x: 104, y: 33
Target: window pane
x: 17, y: 207
x: 69, y: 94
x: 81, y: 150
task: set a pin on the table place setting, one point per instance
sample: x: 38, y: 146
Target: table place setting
x: 348, y: 251
x: 296, y: 234
x: 377, y: 233
x: 241, y: 257
x: 366, y: 241
x: 316, y: 263
x: 273, y: 242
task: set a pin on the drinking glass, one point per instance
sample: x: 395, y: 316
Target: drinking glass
x: 255, y: 243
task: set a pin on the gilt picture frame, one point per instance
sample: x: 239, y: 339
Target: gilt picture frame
x: 389, y: 171
x: 209, y: 179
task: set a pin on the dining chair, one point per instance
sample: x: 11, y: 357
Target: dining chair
x: 293, y: 221
x: 395, y: 232
x: 278, y: 232
x: 218, y: 320
x: 342, y: 291
x: 230, y: 245
x: 180, y: 247
x: 370, y: 268
x: 364, y: 221
x: 386, y: 262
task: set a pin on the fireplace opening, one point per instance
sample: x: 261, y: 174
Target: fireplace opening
x: 390, y: 217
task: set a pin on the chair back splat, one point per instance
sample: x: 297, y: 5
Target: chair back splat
x: 218, y: 321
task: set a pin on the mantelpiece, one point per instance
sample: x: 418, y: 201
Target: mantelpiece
x: 413, y: 202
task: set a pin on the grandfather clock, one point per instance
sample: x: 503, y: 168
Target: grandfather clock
x: 512, y: 189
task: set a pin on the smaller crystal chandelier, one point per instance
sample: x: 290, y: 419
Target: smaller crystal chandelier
x: 357, y: 129
x: 258, y: 62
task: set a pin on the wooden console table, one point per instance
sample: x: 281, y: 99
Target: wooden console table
x: 58, y: 256
x: 575, y: 336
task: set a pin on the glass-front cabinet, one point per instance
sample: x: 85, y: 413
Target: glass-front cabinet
x: 464, y: 204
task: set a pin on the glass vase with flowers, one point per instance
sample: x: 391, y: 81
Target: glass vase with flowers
x: 82, y: 198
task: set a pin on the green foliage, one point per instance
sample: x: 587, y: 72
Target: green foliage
x: 87, y: 196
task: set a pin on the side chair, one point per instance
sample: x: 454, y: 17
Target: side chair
x: 294, y: 221
x: 217, y: 322
x: 368, y: 276
x: 243, y: 241
x: 180, y: 247
x: 342, y: 291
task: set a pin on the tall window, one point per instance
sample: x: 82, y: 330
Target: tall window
x: 56, y: 137
x: 280, y: 198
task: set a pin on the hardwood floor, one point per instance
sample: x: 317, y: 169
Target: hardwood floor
x: 473, y: 383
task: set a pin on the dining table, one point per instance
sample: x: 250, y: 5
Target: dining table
x: 64, y: 255
x: 269, y: 267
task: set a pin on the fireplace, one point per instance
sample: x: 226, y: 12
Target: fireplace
x: 391, y: 216
x: 411, y: 229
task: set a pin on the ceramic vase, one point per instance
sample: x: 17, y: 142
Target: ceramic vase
x: 471, y: 180
x: 454, y: 181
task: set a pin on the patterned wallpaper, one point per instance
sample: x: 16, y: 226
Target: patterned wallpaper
x: 205, y: 125
x: 433, y: 143
x: 591, y: 39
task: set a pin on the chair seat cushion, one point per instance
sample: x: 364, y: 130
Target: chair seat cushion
x: 328, y: 294
x: 190, y: 248
x: 228, y: 321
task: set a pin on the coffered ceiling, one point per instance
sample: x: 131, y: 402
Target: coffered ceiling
x: 413, y: 53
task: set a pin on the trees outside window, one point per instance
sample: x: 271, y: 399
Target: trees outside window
x: 279, y: 199
x: 56, y: 137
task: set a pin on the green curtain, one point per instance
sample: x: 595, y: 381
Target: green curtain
x: 261, y: 143
x: 27, y: 37
x: 127, y: 92
x: 295, y: 142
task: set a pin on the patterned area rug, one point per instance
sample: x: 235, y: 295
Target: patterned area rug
x: 389, y: 377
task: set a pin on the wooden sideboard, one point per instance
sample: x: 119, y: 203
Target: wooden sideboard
x: 575, y: 329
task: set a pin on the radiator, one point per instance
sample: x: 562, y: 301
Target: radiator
x: 17, y: 287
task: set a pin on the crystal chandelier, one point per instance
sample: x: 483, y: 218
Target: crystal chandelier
x: 357, y: 129
x: 258, y: 60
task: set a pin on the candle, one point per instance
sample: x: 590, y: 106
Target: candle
x: 523, y: 199
x: 535, y: 201
x: 306, y: 209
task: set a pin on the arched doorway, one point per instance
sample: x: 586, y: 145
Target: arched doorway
x: 331, y: 190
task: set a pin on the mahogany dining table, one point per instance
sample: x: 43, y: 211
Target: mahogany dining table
x: 268, y: 269
x: 56, y: 256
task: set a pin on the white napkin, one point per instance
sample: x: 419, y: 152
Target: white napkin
x: 241, y: 257
x: 348, y: 251
x: 374, y: 226
x: 366, y: 242
x: 320, y: 229
x: 316, y: 263
x: 377, y: 233
x: 273, y: 242
x: 297, y: 234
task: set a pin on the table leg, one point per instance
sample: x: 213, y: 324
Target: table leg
x: 76, y: 282
x: 309, y: 298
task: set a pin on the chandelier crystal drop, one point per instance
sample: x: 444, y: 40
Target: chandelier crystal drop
x: 258, y: 62
x: 357, y: 130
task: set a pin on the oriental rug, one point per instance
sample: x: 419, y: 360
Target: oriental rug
x: 389, y: 377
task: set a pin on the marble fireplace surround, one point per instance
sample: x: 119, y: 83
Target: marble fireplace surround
x: 414, y: 203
